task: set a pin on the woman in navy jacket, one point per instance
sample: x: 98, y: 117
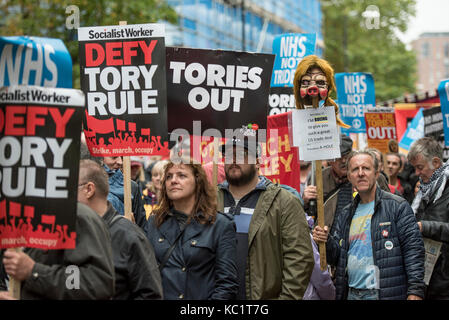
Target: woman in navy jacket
x: 201, y: 265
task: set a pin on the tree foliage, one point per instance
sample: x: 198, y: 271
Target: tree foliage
x: 48, y: 18
x: 371, y: 47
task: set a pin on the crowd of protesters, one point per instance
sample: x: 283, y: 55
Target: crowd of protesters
x: 247, y: 237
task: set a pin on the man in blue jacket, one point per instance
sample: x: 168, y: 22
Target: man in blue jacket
x: 375, y: 242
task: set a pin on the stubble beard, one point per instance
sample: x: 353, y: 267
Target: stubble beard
x: 243, y: 179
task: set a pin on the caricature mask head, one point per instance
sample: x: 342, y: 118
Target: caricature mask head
x: 313, y: 84
x: 314, y: 77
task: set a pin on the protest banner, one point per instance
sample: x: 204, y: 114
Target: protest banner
x: 280, y: 159
x: 218, y: 89
x: 433, y: 127
x: 122, y: 70
x: 355, y: 93
x: 414, y: 132
x: 34, y: 61
x: 404, y: 114
x: 280, y: 100
x: 224, y: 93
x: 289, y: 49
x: 443, y: 92
x: 39, y: 155
x: 380, y: 128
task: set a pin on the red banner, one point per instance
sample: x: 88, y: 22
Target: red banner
x: 280, y: 161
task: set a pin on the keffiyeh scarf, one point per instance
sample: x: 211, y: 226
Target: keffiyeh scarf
x: 435, y: 186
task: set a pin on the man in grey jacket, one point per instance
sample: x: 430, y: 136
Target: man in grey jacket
x: 431, y: 209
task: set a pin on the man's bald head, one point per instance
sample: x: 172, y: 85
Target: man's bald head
x: 90, y: 171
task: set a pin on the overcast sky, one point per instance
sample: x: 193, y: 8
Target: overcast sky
x: 431, y: 16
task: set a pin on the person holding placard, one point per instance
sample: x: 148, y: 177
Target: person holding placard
x: 195, y: 245
x: 375, y: 242
x: 84, y: 273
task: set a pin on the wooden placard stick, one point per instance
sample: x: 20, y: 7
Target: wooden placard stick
x: 14, y: 284
x: 320, y: 204
x: 127, y: 177
x: 215, y: 163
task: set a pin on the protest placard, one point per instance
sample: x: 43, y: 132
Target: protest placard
x: 315, y: 133
x: 443, y: 92
x: 122, y: 70
x: 218, y: 89
x: 355, y: 93
x: 433, y: 127
x: 380, y: 128
x: 34, y: 61
x: 290, y: 49
x: 280, y: 100
x: 414, y: 132
x: 279, y: 161
x: 39, y: 155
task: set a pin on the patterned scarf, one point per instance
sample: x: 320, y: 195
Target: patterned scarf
x: 436, y: 186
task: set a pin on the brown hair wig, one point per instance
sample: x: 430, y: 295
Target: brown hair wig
x: 306, y: 64
x: 205, y: 197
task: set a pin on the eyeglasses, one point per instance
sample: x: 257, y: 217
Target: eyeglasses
x: 318, y: 83
x: 82, y: 184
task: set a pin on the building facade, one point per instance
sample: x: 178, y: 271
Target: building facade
x: 217, y: 24
x: 432, y: 54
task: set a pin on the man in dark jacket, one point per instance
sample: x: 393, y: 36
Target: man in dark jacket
x: 136, y: 272
x: 375, y: 242
x: 85, y: 273
x: 431, y: 208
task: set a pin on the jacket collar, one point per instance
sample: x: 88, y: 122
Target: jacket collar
x: 110, y: 213
x: 170, y: 228
x: 377, y: 200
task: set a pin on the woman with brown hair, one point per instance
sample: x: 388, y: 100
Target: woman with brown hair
x: 194, y: 245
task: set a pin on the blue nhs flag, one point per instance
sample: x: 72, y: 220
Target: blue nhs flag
x: 414, y: 131
x: 443, y: 92
x: 289, y: 49
x: 34, y: 61
x: 355, y: 93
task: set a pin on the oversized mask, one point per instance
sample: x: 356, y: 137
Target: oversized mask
x: 313, y: 82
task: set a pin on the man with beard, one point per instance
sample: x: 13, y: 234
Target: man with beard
x: 431, y: 209
x: 274, y: 253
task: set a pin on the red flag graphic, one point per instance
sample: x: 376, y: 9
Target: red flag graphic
x: 145, y: 132
x: 47, y: 219
x: 132, y: 126
x: 121, y: 125
x: 99, y: 126
x: 29, y: 211
x: 14, y: 209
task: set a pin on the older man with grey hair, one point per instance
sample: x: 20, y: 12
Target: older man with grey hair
x: 431, y: 209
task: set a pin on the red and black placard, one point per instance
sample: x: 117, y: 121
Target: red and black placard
x: 122, y: 72
x: 222, y: 89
